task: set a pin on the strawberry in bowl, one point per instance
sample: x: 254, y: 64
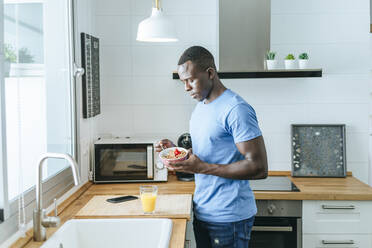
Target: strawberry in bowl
x: 173, y: 154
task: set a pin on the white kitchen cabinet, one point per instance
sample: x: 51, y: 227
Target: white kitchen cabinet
x: 337, y: 224
x: 337, y: 217
x: 337, y: 241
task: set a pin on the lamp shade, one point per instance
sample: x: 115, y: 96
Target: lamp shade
x: 156, y: 28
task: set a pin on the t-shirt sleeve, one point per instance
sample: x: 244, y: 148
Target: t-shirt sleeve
x: 242, y: 124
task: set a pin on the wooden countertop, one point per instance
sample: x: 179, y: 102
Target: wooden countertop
x: 348, y: 188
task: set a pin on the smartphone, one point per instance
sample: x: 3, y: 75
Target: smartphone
x: 122, y: 199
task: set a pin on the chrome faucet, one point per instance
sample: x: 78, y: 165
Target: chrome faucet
x: 41, y: 221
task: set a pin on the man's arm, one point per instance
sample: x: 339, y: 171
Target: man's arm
x: 254, y: 166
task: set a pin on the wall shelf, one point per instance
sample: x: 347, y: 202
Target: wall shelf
x: 298, y: 73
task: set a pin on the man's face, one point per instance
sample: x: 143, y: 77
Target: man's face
x: 197, y: 82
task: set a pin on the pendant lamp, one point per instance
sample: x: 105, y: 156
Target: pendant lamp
x: 156, y: 28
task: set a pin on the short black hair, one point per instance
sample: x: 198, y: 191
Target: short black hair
x: 199, y: 56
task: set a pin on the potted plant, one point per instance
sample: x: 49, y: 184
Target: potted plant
x: 303, y: 60
x: 25, y: 56
x: 290, y: 62
x: 271, y: 62
x: 9, y: 57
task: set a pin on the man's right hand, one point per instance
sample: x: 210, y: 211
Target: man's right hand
x: 163, y: 144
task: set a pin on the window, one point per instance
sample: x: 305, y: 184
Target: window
x: 37, y: 90
x: 38, y: 98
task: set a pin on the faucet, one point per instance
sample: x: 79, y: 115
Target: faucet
x: 40, y: 220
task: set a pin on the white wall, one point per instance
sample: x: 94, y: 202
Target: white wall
x: 139, y: 97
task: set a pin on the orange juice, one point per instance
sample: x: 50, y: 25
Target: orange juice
x: 148, y: 202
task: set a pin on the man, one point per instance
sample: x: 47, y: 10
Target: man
x: 227, y: 150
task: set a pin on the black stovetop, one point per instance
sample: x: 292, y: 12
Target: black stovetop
x: 273, y: 183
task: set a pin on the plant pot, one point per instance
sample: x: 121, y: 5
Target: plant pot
x: 290, y: 64
x: 271, y: 64
x: 302, y: 63
x: 6, y: 68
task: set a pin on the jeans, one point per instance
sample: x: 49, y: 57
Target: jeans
x: 226, y: 234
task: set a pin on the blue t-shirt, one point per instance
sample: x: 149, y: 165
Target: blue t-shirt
x: 215, y: 129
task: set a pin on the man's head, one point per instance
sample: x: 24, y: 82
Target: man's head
x: 197, y: 71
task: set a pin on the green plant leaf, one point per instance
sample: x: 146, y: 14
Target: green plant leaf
x: 270, y: 55
x: 303, y: 56
x: 9, y: 53
x: 290, y: 57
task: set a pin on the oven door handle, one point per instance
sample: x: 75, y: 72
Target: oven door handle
x: 150, y: 163
x: 272, y: 228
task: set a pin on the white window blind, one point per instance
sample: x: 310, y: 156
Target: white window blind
x: 37, y: 89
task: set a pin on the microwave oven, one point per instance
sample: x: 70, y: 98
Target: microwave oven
x: 127, y: 160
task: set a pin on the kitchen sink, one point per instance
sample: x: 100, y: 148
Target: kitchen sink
x: 98, y: 233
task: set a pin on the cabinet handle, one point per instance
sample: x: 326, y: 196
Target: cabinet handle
x: 272, y: 228
x: 338, y: 207
x: 338, y: 242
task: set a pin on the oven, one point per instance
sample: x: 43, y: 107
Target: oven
x: 127, y: 160
x: 277, y: 224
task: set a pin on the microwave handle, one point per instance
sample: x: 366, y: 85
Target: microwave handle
x: 150, y: 165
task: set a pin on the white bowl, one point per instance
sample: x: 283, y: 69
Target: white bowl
x: 165, y: 152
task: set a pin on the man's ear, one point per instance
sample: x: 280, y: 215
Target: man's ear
x: 211, y: 72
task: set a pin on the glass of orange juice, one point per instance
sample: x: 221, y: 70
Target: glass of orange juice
x: 148, y: 195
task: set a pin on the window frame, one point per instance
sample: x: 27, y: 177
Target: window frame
x: 61, y: 182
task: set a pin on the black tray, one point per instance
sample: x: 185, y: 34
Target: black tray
x: 318, y: 150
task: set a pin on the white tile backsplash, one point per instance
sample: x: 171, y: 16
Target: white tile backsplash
x: 278, y: 148
x: 113, y: 7
x: 161, y: 90
x: 359, y: 170
x: 161, y: 118
x: 278, y: 118
x: 356, y: 150
x: 205, y: 33
x: 142, y: 7
x: 190, y: 7
x: 115, y: 120
x: 327, y: 89
x: 325, y: 28
x: 116, y: 60
x: 117, y: 90
x: 353, y: 115
x: 156, y: 61
x: 114, y: 30
x: 318, y: 6
x: 205, y: 7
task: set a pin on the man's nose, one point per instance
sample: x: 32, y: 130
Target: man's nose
x: 187, y: 86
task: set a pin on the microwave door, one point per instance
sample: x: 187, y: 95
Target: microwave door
x: 150, y: 165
